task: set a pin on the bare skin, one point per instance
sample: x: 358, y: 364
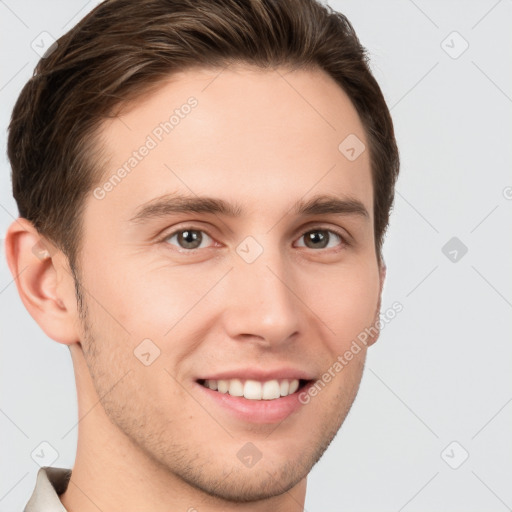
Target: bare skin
x: 149, y: 436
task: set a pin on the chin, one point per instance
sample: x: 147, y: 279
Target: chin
x: 249, y: 484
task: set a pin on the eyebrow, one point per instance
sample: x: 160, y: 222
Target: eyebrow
x: 169, y: 204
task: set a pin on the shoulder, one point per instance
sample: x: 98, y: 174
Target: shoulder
x: 50, y: 482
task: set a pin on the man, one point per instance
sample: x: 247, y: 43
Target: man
x: 203, y: 190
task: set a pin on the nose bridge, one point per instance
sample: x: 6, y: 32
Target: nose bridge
x: 263, y: 303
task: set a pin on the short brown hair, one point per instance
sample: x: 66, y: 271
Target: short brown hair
x: 123, y: 48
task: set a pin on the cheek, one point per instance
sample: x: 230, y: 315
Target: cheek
x: 145, y: 298
x: 346, y: 300
x: 150, y: 307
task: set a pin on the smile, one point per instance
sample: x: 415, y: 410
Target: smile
x: 253, y: 389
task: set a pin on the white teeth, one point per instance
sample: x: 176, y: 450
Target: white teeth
x: 236, y: 388
x: 223, y: 386
x: 212, y: 384
x: 294, y: 385
x: 271, y: 389
x: 253, y: 389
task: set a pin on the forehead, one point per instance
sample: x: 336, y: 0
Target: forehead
x: 263, y: 137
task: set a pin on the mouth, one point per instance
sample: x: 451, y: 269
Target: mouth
x: 256, y: 401
x: 255, y: 395
x: 256, y: 390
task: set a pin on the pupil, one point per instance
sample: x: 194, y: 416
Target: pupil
x: 190, y: 239
x: 317, y: 236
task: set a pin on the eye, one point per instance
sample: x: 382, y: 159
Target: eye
x: 188, y: 238
x: 322, y: 239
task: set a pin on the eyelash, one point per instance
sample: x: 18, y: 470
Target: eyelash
x: 342, y: 238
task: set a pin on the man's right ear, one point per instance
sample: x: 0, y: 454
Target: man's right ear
x: 44, y: 281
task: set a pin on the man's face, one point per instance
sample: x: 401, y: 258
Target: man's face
x: 267, y: 294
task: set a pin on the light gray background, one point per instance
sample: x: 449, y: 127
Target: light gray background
x: 441, y: 371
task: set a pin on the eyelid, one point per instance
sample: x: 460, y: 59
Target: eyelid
x: 189, y: 227
x: 341, y: 232
x: 344, y: 237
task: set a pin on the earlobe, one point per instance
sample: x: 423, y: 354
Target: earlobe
x: 44, y: 286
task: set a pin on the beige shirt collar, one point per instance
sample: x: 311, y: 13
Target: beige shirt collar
x: 50, y: 483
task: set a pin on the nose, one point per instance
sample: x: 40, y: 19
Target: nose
x: 261, y: 305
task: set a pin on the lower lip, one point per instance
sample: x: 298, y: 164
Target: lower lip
x: 257, y: 411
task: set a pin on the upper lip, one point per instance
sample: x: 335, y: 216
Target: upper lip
x: 260, y: 374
